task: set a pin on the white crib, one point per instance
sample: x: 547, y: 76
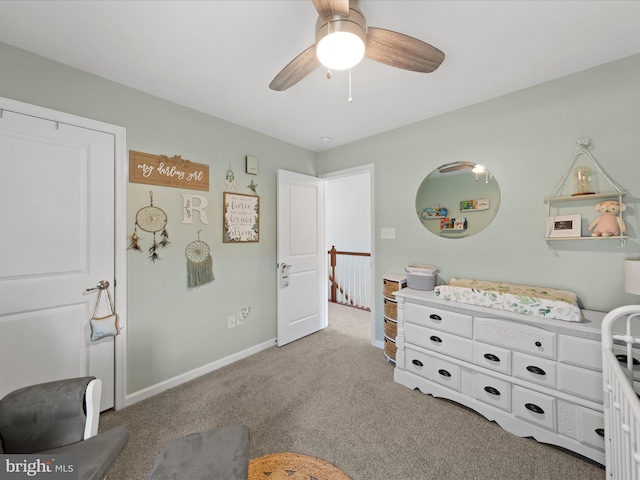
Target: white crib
x: 621, y: 404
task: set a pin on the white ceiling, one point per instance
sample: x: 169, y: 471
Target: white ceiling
x: 219, y: 56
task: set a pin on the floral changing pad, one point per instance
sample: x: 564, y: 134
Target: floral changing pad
x: 544, y: 302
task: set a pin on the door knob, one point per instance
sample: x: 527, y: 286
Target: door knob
x: 101, y: 285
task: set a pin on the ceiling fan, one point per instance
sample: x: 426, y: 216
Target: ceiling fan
x: 455, y: 166
x: 343, y: 17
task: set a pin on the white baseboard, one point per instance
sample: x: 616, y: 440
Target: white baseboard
x: 198, y: 372
x: 378, y: 343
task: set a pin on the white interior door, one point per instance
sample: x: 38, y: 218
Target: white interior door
x: 57, y: 217
x: 301, y: 256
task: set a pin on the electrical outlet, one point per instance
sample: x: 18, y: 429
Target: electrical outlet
x: 231, y: 321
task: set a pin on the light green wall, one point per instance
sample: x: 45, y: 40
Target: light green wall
x: 527, y: 140
x: 172, y: 330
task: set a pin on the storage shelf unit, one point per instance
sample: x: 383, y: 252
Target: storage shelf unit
x: 392, y: 282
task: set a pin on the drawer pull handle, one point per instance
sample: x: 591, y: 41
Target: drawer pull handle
x: 538, y: 344
x: 444, y: 373
x: 433, y: 316
x: 433, y: 338
x: 417, y: 363
x: 534, y: 408
x: 600, y: 431
x: 491, y: 357
x: 623, y: 359
x: 536, y: 370
x: 492, y: 391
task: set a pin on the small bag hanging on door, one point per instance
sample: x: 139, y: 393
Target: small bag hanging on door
x: 104, y: 326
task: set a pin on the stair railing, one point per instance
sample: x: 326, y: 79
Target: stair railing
x: 350, y: 278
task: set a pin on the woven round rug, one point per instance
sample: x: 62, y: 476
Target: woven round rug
x: 293, y: 466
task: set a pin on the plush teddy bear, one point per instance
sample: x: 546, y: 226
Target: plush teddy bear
x: 609, y: 223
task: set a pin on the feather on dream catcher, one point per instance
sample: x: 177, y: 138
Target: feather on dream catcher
x: 153, y: 220
x: 199, y: 263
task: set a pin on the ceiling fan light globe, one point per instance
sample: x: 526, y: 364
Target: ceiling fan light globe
x: 340, y: 50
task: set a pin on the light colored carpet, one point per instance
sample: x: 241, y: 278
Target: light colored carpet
x: 331, y: 395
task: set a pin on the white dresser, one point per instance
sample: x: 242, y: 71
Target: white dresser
x: 534, y: 376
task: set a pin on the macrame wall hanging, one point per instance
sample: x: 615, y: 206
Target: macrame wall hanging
x: 199, y: 263
x: 230, y: 184
x: 153, y: 220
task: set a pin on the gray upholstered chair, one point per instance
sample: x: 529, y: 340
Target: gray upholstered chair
x: 61, y: 417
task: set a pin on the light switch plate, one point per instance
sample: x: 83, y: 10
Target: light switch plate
x: 388, y: 233
x: 252, y: 165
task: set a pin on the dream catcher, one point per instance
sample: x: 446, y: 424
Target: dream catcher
x: 153, y: 220
x: 199, y: 263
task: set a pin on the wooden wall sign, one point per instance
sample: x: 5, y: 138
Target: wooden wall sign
x: 167, y: 171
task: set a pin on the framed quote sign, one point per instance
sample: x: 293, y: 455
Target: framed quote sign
x: 167, y: 171
x: 241, y: 218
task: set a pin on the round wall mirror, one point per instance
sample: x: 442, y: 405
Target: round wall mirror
x: 457, y: 200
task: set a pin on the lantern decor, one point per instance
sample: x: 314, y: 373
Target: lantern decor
x: 199, y: 263
x: 582, y: 181
x: 153, y: 220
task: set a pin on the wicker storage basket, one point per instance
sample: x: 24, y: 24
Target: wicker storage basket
x: 390, y: 349
x: 393, y: 283
x: 390, y: 309
x: 390, y: 328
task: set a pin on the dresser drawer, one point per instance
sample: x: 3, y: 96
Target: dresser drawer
x: 524, y: 338
x: 490, y: 356
x: 591, y: 427
x: 493, y: 391
x: 579, y: 381
x: 534, y: 407
x: 534, y: 369
x: 442, y: 320
x: 445, y: 373
x: 417, y: 362
x: 621, y: 354
x: 442, y: 342
x: 580, y: 352
x: 586, y: 353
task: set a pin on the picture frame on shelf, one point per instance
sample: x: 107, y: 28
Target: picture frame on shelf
x: 564, y: 226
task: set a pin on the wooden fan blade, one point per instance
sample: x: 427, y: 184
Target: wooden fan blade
x: 455, y: 166
x: 330, y: 8
x: 401, y: 51
x: 296, y: 70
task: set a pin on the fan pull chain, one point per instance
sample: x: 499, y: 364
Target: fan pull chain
x: 350, y: 97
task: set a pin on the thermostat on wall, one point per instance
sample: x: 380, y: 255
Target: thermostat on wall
x: 252, y: 164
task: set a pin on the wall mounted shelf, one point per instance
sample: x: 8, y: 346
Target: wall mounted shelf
x: 558, y: 197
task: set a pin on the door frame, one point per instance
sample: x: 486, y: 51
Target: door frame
x: 368, y: 168
x: 120, y: 246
